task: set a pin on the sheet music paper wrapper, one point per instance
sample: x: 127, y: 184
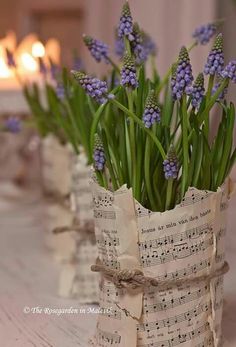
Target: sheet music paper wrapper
x: 185, y: 242
x: 84, y: 283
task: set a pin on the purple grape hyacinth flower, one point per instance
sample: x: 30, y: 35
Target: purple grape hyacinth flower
x: 125, y: 26
x: 78, y: 64
x: 182, y: 76
x: 215, y: 60
x: 97, y: 48
x: 94, y: 87
x: 224, y: 92
x: 60, y: 91
x: 152, y: 112
x: 128, y: 72
x: 13, y: 125
x: 149, y: 45
x: 10, y: 59
x: 230, y: 71
x: 98, y: 154
x: 197, y: 91
x: 136, y: 45
x: 171, y: 164
x: 204, y: 33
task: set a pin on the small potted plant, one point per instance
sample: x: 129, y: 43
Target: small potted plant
x: 160, y: 194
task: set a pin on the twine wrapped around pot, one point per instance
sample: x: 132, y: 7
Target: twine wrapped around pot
x: 76, y: 279
x: 162, y: 273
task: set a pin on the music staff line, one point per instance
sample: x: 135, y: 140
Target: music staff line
x: 178, y: 252
x: 168, y: 322
x: 181, y: 338
x: 174, y: 302
x: 193, y: 233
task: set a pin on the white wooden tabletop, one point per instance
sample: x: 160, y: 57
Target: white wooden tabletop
x: 28, y: 281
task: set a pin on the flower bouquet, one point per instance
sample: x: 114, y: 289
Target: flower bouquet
x: 160, y: 192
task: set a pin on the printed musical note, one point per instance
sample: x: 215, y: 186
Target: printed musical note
x: 107, y: 241
x: 179, y: 251
x: 181, y: 338
x: 168, y: 322
x: 193, y: 233
x: 190, y: 270
x: 174, y: 302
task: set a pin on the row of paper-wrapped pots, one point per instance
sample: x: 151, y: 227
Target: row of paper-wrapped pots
x: 69, y: 223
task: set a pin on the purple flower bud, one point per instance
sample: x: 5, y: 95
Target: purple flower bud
x: 230, y: 71
x: 215, y: 60
x: 97, y: 48
x: 94, y: 87
x: 197, y: 91
x: 60, y: 91
x: 137, y: 46
x: 182, y: 76
x: 223, y: 94
x: 152, y: 110
x: 149, y: 45
x: 10, y: 59
x: 125, y: 27
x: 78, y: 64
x: 98, y: 154
x: 204, y: 33
x: 13, y: 125
x: 171, y: 164
x: 128, y: 73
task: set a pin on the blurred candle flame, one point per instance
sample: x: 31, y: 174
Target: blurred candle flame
x: 28, y: 62
x: 38, y: 50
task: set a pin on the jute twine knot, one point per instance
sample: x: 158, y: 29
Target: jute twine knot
x: 123, y: 277
x: 135, y: 279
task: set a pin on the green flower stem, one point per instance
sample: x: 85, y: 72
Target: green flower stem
x: 104, y: 178
x: 99, y: 178
x: 208, y: 96
x: 108, y: 162
x: 147, y: 174
x: 114, y: 65
x: 139, y: 164
x: 132, y: 144
x: 122, y: 146
x: 73, y: 123
x: 169, y: 194
x: 153, y: 65
x: 184, y: 124
x: 113, y: 155
x: 167, y: 75
x: 224, y: 84
x: 140, y: 123
x: 94, y: 126
x: 128, y: 154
